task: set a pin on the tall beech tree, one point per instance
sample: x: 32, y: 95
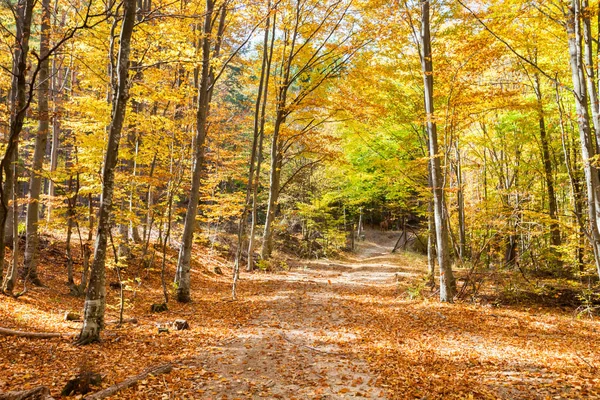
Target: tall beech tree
x: 588, y: 146
x: 20, y: 100
x: 210, y: 45
x: 41, y: 138
x: 256, y: 150
x: 447, y: 283
x: 95, y: 300
x: 211, y: 70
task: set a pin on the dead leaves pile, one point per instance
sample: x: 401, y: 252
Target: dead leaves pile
x: 432, y: 350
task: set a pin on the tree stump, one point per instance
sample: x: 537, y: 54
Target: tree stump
x: 181, y: 324
x: 159, y: 307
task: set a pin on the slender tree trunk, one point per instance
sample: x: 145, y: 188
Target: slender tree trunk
x: 274, y: 181
x: 588, y: 55
x: 95, y: 300
x: 56, y: 128
x: 182, y: 276
x: 133, y: 194
x: 35, y: 182
x: 575, y: 181
x: 18, y: 108
x: 123, y: 249
x: 276, y: 155
x: 430, y: 233
x: 544, y: 140
x: 70, y: 222
x: 259, y: 156
x: 447, y: 283
x: 254, y: 212
x: 430, y: 245
x: 257, y: 133
x: 11, y: 278
x: 585, y: 135
x: 462, y: 234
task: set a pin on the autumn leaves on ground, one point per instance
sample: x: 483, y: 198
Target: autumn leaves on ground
x: 357, y: 327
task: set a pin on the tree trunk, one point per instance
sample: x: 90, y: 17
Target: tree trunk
x: 274, y: 181
x: 585, y: 135
x: 56, y: 97
x: 257, y: 134
x: 35, y: 181
x: 447, y: 283
x: 462, y: 235
x: 18, y: 108
x: 182, y: 276
x: 11, y: 277
x: 95, y: 300
x: 259, y: 156
x: 430, y: 233
x: 588, y: 55
x: 254, y: 213
x: 544, y: 140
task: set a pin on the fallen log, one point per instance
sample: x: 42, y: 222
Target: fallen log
x: 125, y: 321
x: 38, y: 393
x: 111, y: 322
x: 111, y: 390
x: 34, y: 335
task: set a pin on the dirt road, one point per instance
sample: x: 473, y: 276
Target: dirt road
x: 301, y: 344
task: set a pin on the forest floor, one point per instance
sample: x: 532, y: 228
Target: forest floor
x: 357, y: 327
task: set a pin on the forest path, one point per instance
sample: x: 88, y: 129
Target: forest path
x: 301, y: 344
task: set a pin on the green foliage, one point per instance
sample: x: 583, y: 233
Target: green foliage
x: 263, y: 265
x: 415, y: 291
x: 589, y: 303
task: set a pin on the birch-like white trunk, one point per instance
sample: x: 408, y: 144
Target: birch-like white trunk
x: 447, y: 283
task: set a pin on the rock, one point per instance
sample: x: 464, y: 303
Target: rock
x: 181, y: 324
x: 218, y: 271
x: 72, y: 316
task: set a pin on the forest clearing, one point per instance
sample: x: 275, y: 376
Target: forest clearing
x: 293, y: 199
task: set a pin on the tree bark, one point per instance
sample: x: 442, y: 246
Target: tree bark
x: 544, y: 140
x: 430, y: 233
x: 56, y: 128
x: 259, y: 156
x: 274, y: 181
x: 447, y: 283
x: 276, y: 156
x: 256, y: 138
x: 587, y: 143
x: 462, y: 234
x: 19, y: 102
x: 205, y: 88
x: 95, y: 300
x: 588, y: 55
x: 35, y: 181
